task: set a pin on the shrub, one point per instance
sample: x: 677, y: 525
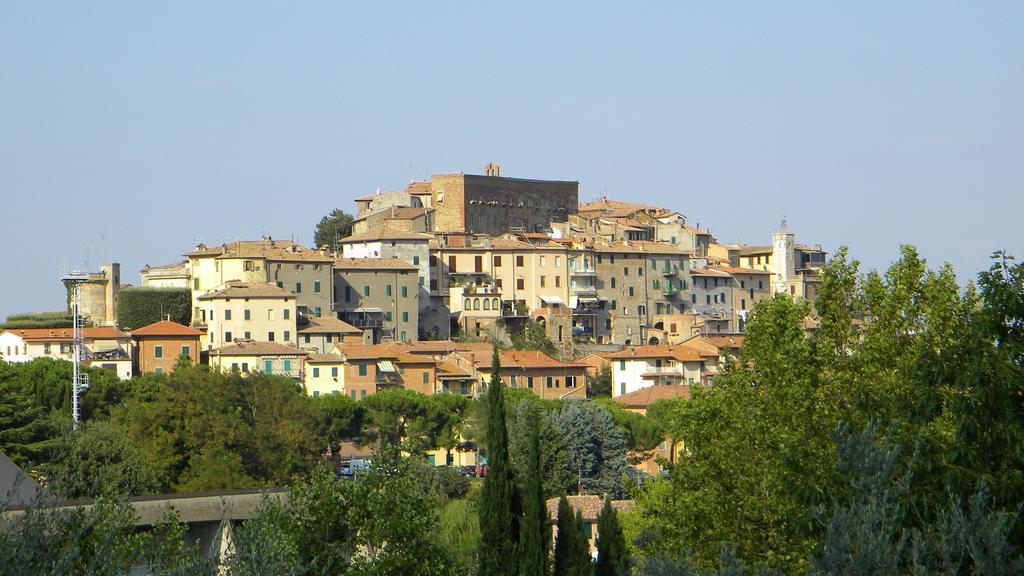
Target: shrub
x: 140, y: 306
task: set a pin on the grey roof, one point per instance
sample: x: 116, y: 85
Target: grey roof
x: 16, y: 487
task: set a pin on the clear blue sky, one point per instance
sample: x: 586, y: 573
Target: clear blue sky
x: 129, y: 130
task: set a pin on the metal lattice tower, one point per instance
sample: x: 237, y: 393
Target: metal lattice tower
x: 79, y: 380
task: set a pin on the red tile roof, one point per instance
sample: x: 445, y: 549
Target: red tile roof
x: 644, y: 397
x: 165, y: 328
x: 65, y: 334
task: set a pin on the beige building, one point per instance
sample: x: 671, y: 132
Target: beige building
x: 321, y: 335
x: 302, y: 271
x: 256, y: 311
x: 379, y: 295
x: 103, y: 347
x: 324, y: 374
x: 271, y: 358
x: 173, y: 275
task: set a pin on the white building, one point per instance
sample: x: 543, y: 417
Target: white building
x: 638, y: 367
x: 104, y: 347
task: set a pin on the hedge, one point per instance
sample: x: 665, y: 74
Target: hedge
x: 37, y: 320
x: 139, y: 306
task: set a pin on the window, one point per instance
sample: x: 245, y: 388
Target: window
x: 655, y: 284
x: 613, y: 281
x: 543, y: 281
x: 622, y: 387
x: 519, y: 260
x: 497, y: 261
x: 316, y: 372
x: 742, y: 284
x: 287, y: 336
x: 558, y: 261
x: 248, y: 335
x: 570, y: 381
x: 287, y: 365
x: 520, y: 283
x: 529, y: 382
x: 298, y: 287
x: 693, y: 298
x: 353, y: 393
x: 158, y: 351
x: 625, y: 270
x: 348, y: 293
x: 305, y: 338
x: 760, y: 285
x: 387, y: 289
x: 630, y: 291
x: 362, y: 394
x: 316, y: 393
x: 195, y: 283
x: 268, y: 366
x: 673, y: 240
x: 186, y: 351
x: 287, y: 314
x: 751, y: 293
x: 245, y: 366
x: 639, y: 270
x: 330, y: 337
x: 588, y: 530
x: 405, y: 291
x: 416, y: 260
x: 405, y: 317
x: 743, y: 304
x: 270, y: 336
x: 362, y: 369
x: 334, y: 371
x: 451, y: 265
x: 366, y: 290
x: 234, y: 366
x: 249, y: 265
x: 467, y: 305
x: 271, y: 315
x: 316, y: 286
x: 558, y: 281
x: 246, y: 314
x: 227, y: 337
x: 158, y: 370
x: 227, y: 314
x: 317, y: 312
x: 542, y: 260
x: 387, y: 315
x: 478, y: 264
x: 426, y: 377
x: 280, y: 284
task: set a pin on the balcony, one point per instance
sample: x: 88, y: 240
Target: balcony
x: 671, y: 291
x: 583, y: 272
x: 672, y: 271
x: 480, y: 290
x: 511, y: 309
x: 366, y: 318
x: 584, y: 290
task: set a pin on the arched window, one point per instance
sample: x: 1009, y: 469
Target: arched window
x: 494, y: 304
x: 468, y: 305
x: 487, y: 303
x: 476, y: 303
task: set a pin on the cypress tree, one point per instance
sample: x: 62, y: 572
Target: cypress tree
x: 498, y: 524
x: 572, y: 552
x: 612, y: 557
x: 535, y: 533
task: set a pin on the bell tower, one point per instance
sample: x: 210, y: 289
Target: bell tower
x: 783, y: 265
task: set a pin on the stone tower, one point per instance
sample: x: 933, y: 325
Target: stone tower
x: 783, y: 252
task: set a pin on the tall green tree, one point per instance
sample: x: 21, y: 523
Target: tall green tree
x: 499, y: 530
x: 336, y: 224
x: 572, y: 551
x: 612, y: 555
x: 533, y: 337
x: 534, y: 532
x: 596, y: 446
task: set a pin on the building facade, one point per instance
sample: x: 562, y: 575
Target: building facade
x: 380, y: 295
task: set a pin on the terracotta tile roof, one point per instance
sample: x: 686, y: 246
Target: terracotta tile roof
x: 397, y: 213
x: 738, y: 270
x: 381, y: 234
x: 65, y: 334
x: 449, y: 370
x: 588, y: 505
x: 386, y: 351
x: 751, y: 250
x: 720, y: 340
x: 419, y: 188
x: 251, y: 348
x: 165, y: 328
x: 275, y: 250
x: 677, y: 352
x: 248, y: 290
x: 373, y: 264
x: 171, y: 266
x: 710, y: 272
x: 639, y: 247
x: 329, y: 325
x: 314, y: 358
x: 644, y: 397
x: 521, y: 359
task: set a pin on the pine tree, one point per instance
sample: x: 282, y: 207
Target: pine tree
x: 499, y: 532
x: 534, y: 530
x: 581, y: 562
x: 612, y: 557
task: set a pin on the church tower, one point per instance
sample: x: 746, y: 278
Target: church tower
x: 783, y: 265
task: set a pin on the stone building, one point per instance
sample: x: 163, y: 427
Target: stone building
x: 378, y: 294
x: 98, y: 295
x: 492, y: 204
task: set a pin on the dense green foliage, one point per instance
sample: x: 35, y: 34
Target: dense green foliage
x: 763, y: 471
x: 532, y: 336
x: 59, y: 319
x: 572, y: 554
x: 596, y: 447
x: 533, y: 536
x: 337, y: 224
x: 601, y: 385
x: 140, y: 306
x: 499, y: 523
x: 612, y: 556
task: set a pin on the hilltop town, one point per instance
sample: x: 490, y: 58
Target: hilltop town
x: 423, y: 276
